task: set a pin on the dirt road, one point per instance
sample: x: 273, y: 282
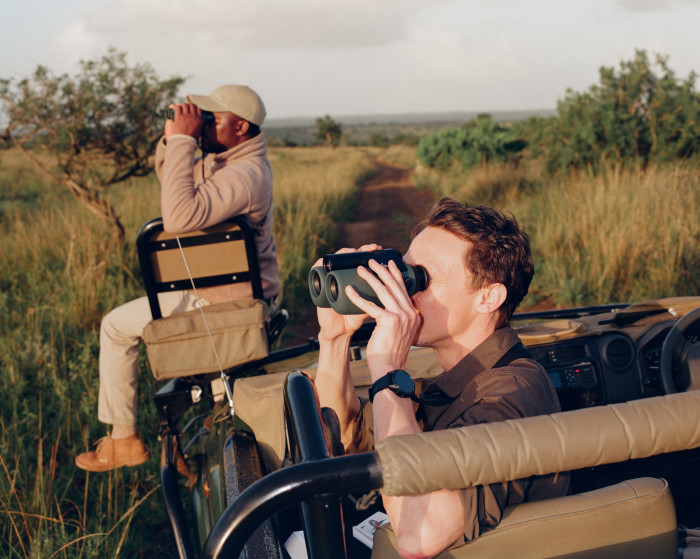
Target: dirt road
x: 388, y: 207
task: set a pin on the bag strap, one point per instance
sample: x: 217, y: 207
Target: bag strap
x: 227, y: 388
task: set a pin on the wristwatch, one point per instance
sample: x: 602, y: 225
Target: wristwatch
x: 398, y: 381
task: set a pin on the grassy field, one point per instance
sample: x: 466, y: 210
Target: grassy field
x: 623, y: 235
x: 60, y: 273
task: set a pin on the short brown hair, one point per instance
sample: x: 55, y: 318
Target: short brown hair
x: 500, y: 251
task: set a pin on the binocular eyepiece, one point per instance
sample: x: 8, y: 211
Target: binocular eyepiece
x: 327, y: 283
x: 207, y: 116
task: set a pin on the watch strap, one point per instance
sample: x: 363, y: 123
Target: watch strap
x: 380, y: 384
x: 388, y: 381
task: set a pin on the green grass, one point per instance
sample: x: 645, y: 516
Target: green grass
x: 314, y: 190
x: 621, y: 236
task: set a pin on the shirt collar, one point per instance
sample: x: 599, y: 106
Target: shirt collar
x: 482, y: 358
x: 256, y: 145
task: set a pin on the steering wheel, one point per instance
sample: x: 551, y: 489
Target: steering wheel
x: 672, y: 349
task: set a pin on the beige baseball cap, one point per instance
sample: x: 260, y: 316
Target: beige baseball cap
x: 237, y: 99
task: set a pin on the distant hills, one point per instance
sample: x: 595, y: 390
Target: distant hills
x: 361, y: 127
x: 409, y: 118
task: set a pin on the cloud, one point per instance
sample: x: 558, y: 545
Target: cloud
x: 258, y: 25
x: 309, y: 52
x: 651, y: 5
x: 338, y: 57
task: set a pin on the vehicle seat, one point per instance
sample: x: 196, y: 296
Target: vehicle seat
x: 220, y: 255
x: 634, y: 518
x: 259, y: 400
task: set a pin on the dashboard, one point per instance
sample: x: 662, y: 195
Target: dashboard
x: 604, y: 367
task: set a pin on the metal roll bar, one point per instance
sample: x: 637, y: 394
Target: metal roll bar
x: 316, y: 482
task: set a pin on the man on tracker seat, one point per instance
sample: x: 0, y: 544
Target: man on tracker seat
x: 233, y: 177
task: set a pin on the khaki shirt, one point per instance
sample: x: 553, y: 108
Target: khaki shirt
x: 483, y: 394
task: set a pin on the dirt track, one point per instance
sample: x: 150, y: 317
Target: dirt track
x: 388, y: 206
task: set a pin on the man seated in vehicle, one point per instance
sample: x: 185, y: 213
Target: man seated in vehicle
x: 233, y: 177
x: 480, y: 268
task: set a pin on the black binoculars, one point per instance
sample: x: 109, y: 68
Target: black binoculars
x: 327, y: 283
x: 207, y: 116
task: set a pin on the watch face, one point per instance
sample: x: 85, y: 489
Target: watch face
x: 404, y: 382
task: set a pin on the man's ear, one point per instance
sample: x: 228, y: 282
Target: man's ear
x: 492, y: 297
x: 242, y: 127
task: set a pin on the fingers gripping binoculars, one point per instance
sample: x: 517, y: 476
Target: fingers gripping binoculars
x: 207, y: 116
x: 327, y: 283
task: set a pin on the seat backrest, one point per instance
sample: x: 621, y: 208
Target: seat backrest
x: 635, y: 518
x: 219, y: 255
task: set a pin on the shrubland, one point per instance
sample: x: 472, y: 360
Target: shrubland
x: 639, y: 114
x: 609, y: 187
x: 62, y: 270
x: 616, y: 227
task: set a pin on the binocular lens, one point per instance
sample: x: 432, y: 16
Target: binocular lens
x: 333, y: 289
x: 317, y: 287
x: 316, y: 283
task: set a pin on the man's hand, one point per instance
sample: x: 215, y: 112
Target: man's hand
x: 334, y: 325
x: 188, y: 121
x: 333, y: 379
x: 396, y: 324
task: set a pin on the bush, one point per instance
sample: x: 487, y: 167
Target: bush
x: 636, y: 115
x: 100, y: 127
x: 479, y: 141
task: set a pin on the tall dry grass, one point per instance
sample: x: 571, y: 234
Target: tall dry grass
x: 625, y: 235
x: 60, y: 272
x: 621, y: 235
x: 315, y: 190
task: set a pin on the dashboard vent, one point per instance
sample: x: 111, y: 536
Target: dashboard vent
x: 618, y: 352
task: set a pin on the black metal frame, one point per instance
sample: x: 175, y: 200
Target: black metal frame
x: 317, y: 483
x: 146, y: 246
x: 175, y: 397
x: 172, y: 401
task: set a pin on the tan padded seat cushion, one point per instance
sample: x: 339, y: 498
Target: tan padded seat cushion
x: 560, y: 442
x: 635, y: 518
x: 259, y: 401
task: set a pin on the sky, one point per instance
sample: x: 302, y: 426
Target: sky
x: 359, y: 57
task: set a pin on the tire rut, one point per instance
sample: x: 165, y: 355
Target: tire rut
x: 388, y: 206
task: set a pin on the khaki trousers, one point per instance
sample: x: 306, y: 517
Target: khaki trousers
x: 120, y: 335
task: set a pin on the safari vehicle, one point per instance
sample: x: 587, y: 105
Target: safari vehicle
x: 263, y: 464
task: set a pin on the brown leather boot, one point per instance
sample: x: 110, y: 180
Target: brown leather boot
x: 113, y: 453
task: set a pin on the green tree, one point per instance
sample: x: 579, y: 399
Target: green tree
x: 640, y: 113
x: 329, y: 131
x: 478, y: 141
x: 99, y: 126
